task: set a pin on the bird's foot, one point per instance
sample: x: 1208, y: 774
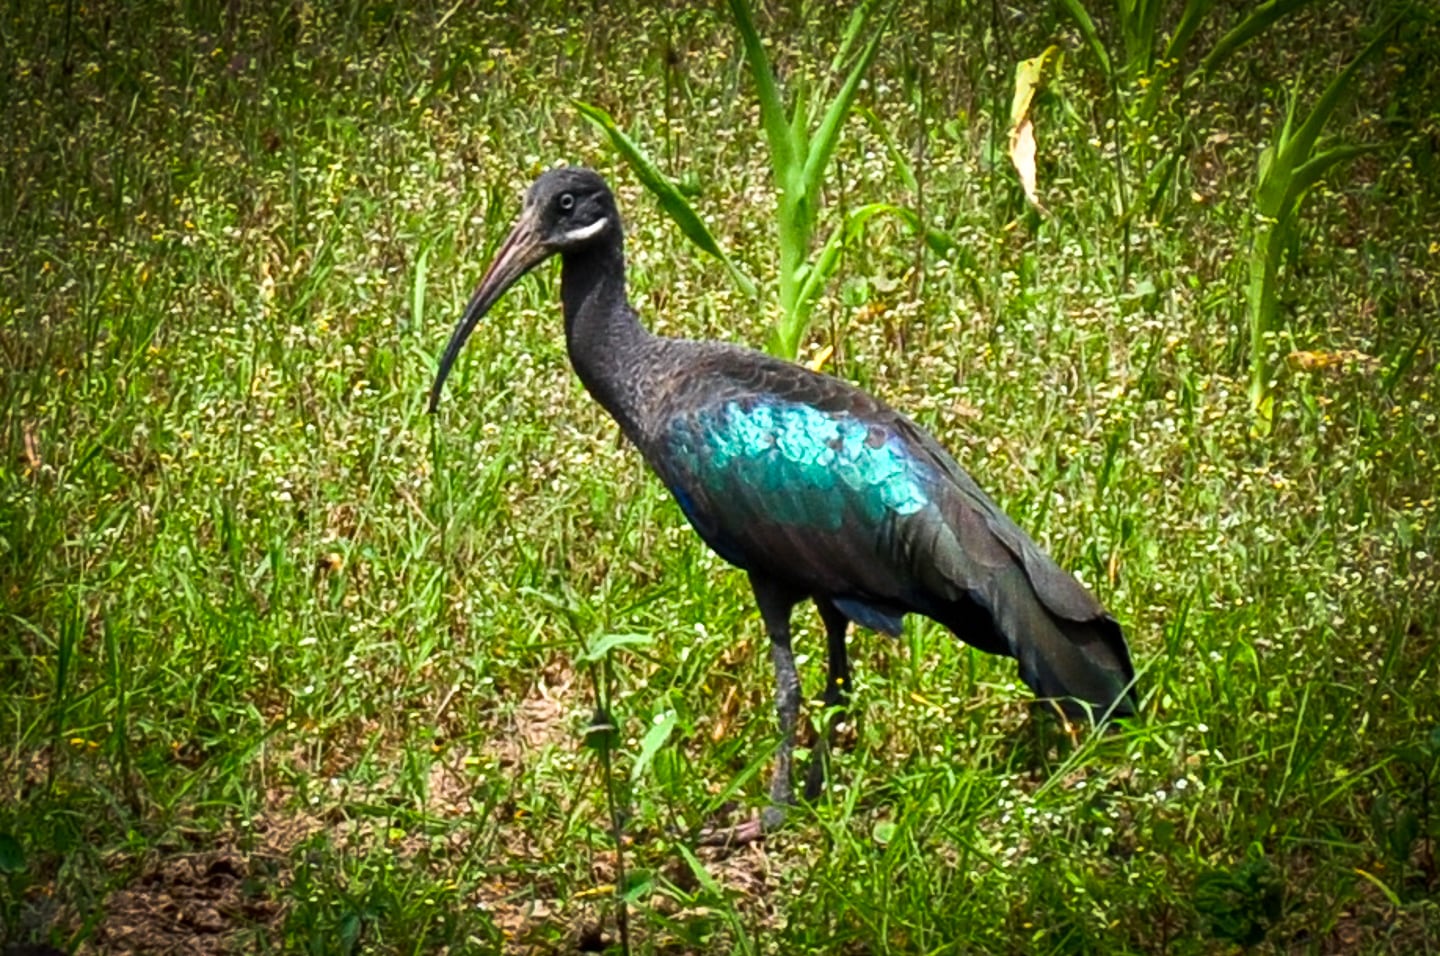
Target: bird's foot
x: 742, y: 834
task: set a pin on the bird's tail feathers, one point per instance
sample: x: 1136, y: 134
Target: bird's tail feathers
x: 1084, y: 665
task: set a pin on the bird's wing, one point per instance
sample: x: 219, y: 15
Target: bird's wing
x: 1067, y: 644
x: 982, y: 527
x: 748, y: 437
x: 785, y: 472
x: 805, y: 476
x: 790, y: 489
x: 813, y: 482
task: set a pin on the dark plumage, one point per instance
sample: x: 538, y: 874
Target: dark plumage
x: 814, y: 488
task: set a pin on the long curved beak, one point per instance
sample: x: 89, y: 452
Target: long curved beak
x: 519, y: 253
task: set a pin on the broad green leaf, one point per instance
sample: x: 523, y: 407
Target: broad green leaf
x: 1145, y: 33
x: 772, y: 109
x: 1264, y: 403
x: 813, y: 281
x: 350, y: 926
x: 639, y: 885
x: 1081, y: 16
x: 1259, y: 20
x: 1298, y: 149
x: 1137, y: 26
x: 676, y: 206
x: 1030, y: 76
x: 1312, y: 171
x: 1271, y: 184
x: 653, y: 740
x: 940, y: 242
x: 883, y: 832
x: 1261, y: 298
x: 822, y: 145
x: 799, y: 158
x: 1264, y: 164
x: 854, y: 30
x: 1195, y: 13
x: 800, y: 121
x: 608, y: 642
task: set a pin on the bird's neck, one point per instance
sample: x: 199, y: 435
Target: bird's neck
x: 608, y: 347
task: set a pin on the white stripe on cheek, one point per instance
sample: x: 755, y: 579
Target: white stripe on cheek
x: 585, y: 232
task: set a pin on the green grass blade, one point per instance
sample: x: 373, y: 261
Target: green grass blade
x: 417, y: 287
x: 1082, y: 19
x: 822, y: 145
x: 716, y: 892
x: 772, y: 109
x: 1302, y: 143
x: 1405, y: 362
x: 1149, y: 19
x: 1260, y: 20
x: 1390, y: 895
x: 1159, y: 180
x: 1195, y: 13
x: 1137, y: 24
x: 854, y: 30
x: 676, y: 206
x: 898, y: 159
x: 1313, y: 170
x: 828, y: 259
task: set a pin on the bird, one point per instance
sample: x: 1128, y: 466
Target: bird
x: 813, y: 487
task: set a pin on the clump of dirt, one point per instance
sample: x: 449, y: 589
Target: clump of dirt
x: 184, y: 904
x: 206, y: 892
x: 542, y: 719
x: 212, y: 900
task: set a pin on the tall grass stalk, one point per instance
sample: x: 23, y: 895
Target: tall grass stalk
x: 1289, y: 167
x: 802, y: 141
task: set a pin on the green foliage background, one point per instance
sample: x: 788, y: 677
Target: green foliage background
x: 282, y: 650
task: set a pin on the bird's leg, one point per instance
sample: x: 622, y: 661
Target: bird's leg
x: 837, y: 692
x: 775, y: 602
x: 775, y: 606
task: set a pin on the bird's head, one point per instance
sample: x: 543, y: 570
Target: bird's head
x: 566, y: 210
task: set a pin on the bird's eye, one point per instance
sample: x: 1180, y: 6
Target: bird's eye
x: 567, y: 202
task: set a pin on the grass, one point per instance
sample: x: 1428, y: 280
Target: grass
x: 289, y: 666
